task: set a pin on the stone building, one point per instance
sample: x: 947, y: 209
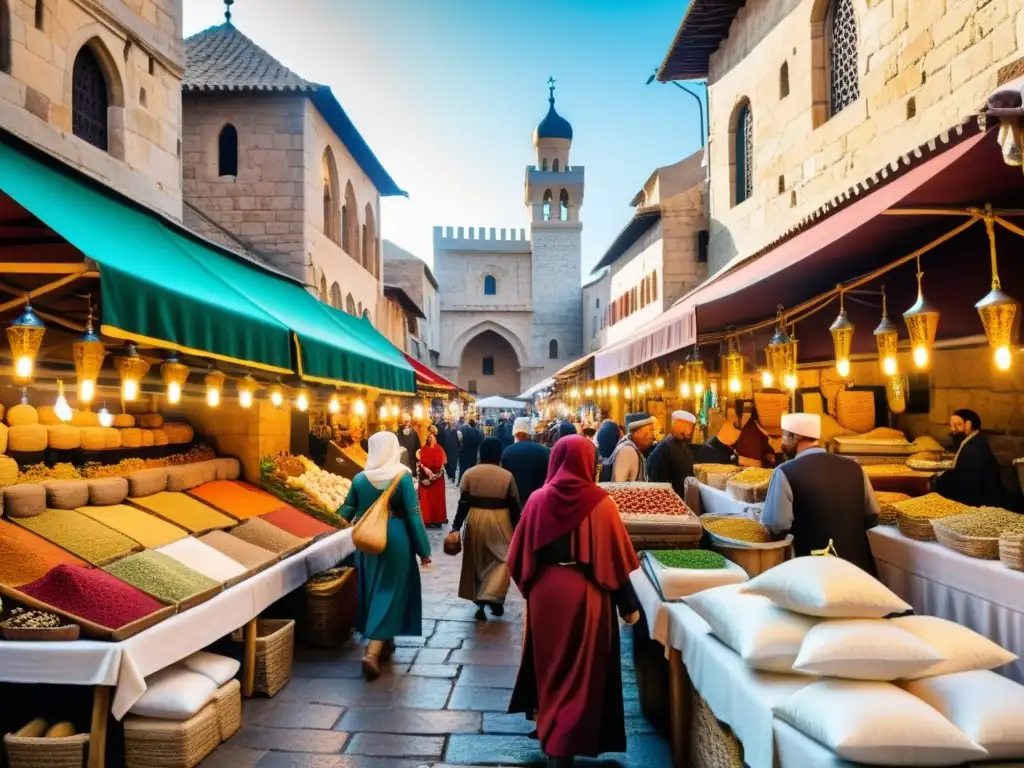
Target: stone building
x: 807, y: 97
x: 399, y: 318
x: 510, y: 306
x: 596, y: 298
x: 273, y: 164
x: 99, y: 87
x: 404, y: 270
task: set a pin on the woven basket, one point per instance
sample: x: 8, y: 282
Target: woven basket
x: 918, y: 528
x: 981, y: 547
x: 68, y: 752
x: 153, y: 743
x: 228, y: 701
x: 331, y: 609
x: 887, y: 513
x: 275, y: 648
x: 1011, y: 550
x: 770, y: 408
x: 855, y: 410
x: 712, y: 744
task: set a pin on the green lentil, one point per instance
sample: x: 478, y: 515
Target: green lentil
x: 694, y: 559
x: 160, y: 576
x: 985, y: 522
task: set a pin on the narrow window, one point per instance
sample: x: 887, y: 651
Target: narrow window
x: 344, y: 228
x: 227, y: 152
x: 544, y: 164
x: 5, y: 37
x: 40, y: 13
x: 654, y: 285
x: 350, y: 305
x: 152, y: 66
x: 743, y: 153
x: 598, y: 304
x: 142, y: 97
x: 593, y: 326
x: 911, y: 108
x: 490, y: 286
x: 90, y: 99
x: 366, y: 251
x: 547, y: 205
x: 329, y: 232
x: 488, y: 366
x: 554, y: 165
x: 563, y: 205
x: 841, y: 38
x: 472, y: 386
x: 553, y: 349
x: 784, y: 80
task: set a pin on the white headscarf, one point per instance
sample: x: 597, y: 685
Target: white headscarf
x: 384, y: 460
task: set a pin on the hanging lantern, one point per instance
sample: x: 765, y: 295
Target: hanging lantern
x: 696, y: 373
x: 334, y: 404
x: 887, y: 337
x: 214, y: 385
x: 683, y: 377
x: 767, y: 379
x: 277, y: 396
x: 394, y: 411
x: 105, y: 416
x: 613, y: 390
x: 383, y: 413
x: 777, y: 352
x: 574, y: 393
x: 417, y: 411
x: 588, y: 392
x: 88, y: 352
x: 174, y: 373
x: 131, y: 368
x: 359, y: 407
x: 247, y: 388
x: 61, y: 409
x: 25, y: 335
x: 628, y: 393
x: 842, y: 339
x: 1000, y: 314
x: 732, y: 368
x: 302, y: 400
x: 659, y: 383
x: 922, y: 321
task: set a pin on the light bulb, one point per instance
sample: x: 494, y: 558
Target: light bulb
x: 245, y: 398
x: 734, y: 385
x: 920, y: 356
x: 334, y: 405
x: 684, y: 389
x: 302, y: 401
x: 767, y: 380
x: 383, y: 413
x: 843, y: 367
x: 614, y: 391
x: 130, y: 390
x: 23, y: 367
x: 589, y: 392
x: 394, y: 410
x: 660, y: 383
x: 173, y: 392
x: 628, y: 393
x: 889, y: 366
x: 417, y: 411
x: 790, y: 381
x: 61, y: 409
x: 1003, y: 358
x: 212, y: 397
x: 105, y: 416
x: 360, y: 407
x: 277, y: 398
x: 698, y: 388
x: 86, y: 390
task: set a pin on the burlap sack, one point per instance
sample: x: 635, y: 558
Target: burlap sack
x: 66, y: 494
x: 228, y: 469
x: 150, y: 420
x: 107, y: 491
x: 209, y: 470
x: 146, y: 482
x: 184, y: 477
x: 24, y: 500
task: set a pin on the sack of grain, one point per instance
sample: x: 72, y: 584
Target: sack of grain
x: 146, y: 482
x: 184, y: 477
x: 228, y: 469
x: 66, y: 494
x: 770, y: 407
x: 22, y: 414
x: 26, y: 438
x: 24, y: 500
x: 91, y: 438
x: 147, y: 438
x: 150, y: 420
x: 124, y: 421
x: 111, y: 438
x: 8, y: 471
x: 63, y: 437
x: 47, y: 416
x: 159, y: 437
x: 855, y: 410
x: 209, y: 470
x: 107, y: 491
x: 85, y: 419
x: 927, y: 444
x: 3, y: 438
x: 178, y: 433
x: 131, y: 438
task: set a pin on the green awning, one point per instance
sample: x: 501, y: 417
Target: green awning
x: 163, y: 287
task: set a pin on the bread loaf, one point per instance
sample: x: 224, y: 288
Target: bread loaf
x: 131, y: 438
x: 855, y: 410
x: 147, y: 438
x: 34, y: 730
x: 47, y: 416
x: 8, y: 471
x: 60, y: 731
x: 3, y: 438
x: 159, y: 437
x: 124, y: 421
x: 111, y: 438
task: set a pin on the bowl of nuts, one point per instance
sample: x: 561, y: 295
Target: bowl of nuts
x: 23, y: 624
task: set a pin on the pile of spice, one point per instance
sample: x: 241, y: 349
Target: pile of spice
x: 739, y: 529
x: 692, y: 559
x: 93, y: 595
x: 204, y: 559
x: 181, y: 509
x: 297, y: 523
x: 160, y: 576
x: 249, y: 555
x: 237, y: 499
x: 149, y: 530
x: 25, y: 557
x: 93, y: 542
x: 267, y: 536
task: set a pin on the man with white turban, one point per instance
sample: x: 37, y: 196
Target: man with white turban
x: 820, y: 497
x: 671, y: 461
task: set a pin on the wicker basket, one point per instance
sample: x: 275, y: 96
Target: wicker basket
x: 228, y: 701
x: 275, y: 647
x: 1011, y: 550
x: 153, y: 743
x: 331, y: 605
x: 981, y: 547
x: 887, y: 514
x: 918, y: 528
x: 712, y: 744
x: 68, y: 752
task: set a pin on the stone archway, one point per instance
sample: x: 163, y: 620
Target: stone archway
x: 489, y: 366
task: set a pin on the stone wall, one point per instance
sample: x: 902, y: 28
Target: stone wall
x: 683, y: 217
x: 924, y: 66
x: 139, y: 45
x: 504, y: 381
x: 556, y: 293
x: 403, y: 269
x: 596, y: 297
x: 248, y: 434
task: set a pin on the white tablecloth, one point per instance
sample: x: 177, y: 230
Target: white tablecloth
x: 125, y: 665
x: 651, y: 605
x: 983, y: 595
x: 716, y: 502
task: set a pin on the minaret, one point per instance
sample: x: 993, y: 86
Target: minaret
x: 554, y: 194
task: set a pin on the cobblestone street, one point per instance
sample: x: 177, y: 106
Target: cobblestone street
x: 440, y: 703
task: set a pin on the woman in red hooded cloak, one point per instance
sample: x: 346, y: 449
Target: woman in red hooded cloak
x: 571, y: 558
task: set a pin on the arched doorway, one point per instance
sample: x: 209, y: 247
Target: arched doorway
x: 489, y: 365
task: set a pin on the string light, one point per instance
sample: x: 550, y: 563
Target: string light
x: 105, y: 416
x: 174, y: 374
x: 302, y: 400
x: 334, y: 404
x: 277, y: 396
x: 247, y: 391
x: 214, y: 384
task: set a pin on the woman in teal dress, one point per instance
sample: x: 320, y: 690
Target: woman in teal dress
x: 390, y: 602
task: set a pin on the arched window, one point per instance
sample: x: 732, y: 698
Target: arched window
x: 350, y: 305
x: 370, y: 261
x: 544, y: 164
x: 344, y: 228
x: 329, y: 177
x: 784, y: 80
x: 227, y: 151
x: 353, y: 222
x: 90, y: 99
x: 336, y: 296
x: 359, y: 309
x: 553, y: 349
x: 40, y: 14
x: 5, y: 37
x: 563, y: 205
x: 324, y: 297
x: 654, y: 285
x: 841, y: 38
x: 488, y: 366
x: 743, y: 153
x: 547, y: 205
x: 490, y: 286
x: 554, y: 165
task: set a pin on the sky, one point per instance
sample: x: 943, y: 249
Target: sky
x: 447, y: 94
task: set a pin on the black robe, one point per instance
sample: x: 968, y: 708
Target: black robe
x: 449, y: 440
x: 470, y: 447
x: 976, y: 480
x: 714, y: 451
x: 411, y: 443
x: 670, y: 462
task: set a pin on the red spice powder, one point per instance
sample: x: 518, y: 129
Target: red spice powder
x: 297, y: 523
x: 93, y: 595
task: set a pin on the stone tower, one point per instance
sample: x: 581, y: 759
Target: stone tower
x: 554, y: 194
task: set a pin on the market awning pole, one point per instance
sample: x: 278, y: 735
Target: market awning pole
x: 42, y: 290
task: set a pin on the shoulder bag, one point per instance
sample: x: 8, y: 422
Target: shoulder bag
x: 370, y: 534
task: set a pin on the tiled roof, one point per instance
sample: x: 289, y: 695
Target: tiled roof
x: 704, y: 27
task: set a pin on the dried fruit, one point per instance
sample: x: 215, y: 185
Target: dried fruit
x: 634, y: 501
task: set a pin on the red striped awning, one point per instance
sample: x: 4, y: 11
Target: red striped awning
x: 427, y: 378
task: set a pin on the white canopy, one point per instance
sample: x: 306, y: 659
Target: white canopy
x: 500, y: 403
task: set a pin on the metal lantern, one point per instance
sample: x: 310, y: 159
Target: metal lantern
x: 697, y: 373
x: 88, y: 352
x: 789, y: 379
x: 359, y: 407
x: 922, y: 321
x: 383, y: 413
x: 302, y: 399
x: 214, y: 385
x: 277, y: 396
x: 732, y: 368
x: 588, y: 392
x: 842, y: 339
x: 334, y: 404
x: 887, y: 337
x: 247, y: 388
x: 659, y: 383
x: 1000, y: 314
x: 613, y: 390
x: 131, y: 368
x: 25, y: 335
x: 174, y: 374
x: 683, y: 376
x: 417, y: 412
x: 776, y: 353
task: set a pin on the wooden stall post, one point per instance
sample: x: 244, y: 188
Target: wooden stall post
x: 98, y: 728
x: 249, y: 658
x: 680, y: 708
